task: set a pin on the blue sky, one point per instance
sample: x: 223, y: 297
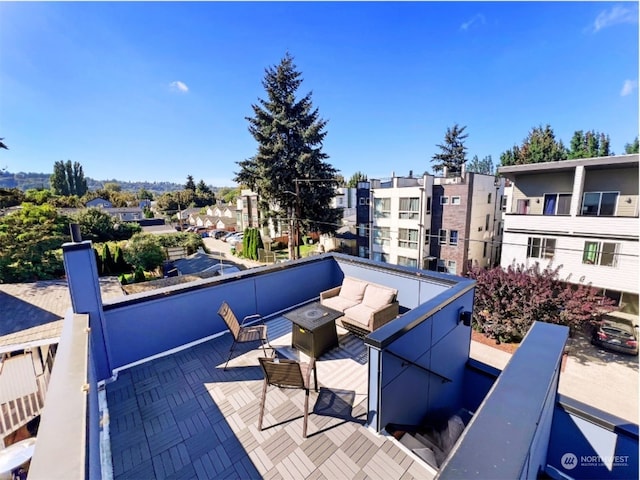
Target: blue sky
x: 159, y: 91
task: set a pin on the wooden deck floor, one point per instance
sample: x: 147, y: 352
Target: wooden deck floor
x: 182, y: 416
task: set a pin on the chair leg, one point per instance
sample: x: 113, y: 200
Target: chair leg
x: 264, y: 397
x: 230, y: 353
x: 306, y: 413
x: 315, y: 376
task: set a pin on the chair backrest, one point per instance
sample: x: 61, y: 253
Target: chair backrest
x: 282, y: 372
x: 230, y: 319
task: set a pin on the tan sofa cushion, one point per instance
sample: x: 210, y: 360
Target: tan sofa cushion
x: 352, y: 289
x: 338, y: 303
x: 360, y: 313
x: 376, y: 296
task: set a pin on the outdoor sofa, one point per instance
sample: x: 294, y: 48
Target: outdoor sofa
x: 366, y: 306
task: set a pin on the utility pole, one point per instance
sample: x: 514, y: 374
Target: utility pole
x: 297, y: 219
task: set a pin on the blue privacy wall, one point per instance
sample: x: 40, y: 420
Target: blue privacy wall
x: 591, y: 444
x: 420, y: 360
x: 143, y: 325
x: 509, y: 433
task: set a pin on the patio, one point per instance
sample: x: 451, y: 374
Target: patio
x: 182, y: 416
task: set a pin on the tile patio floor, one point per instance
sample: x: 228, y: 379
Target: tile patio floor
x: 182, y: 416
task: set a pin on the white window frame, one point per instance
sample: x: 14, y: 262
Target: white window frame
x: 385, y: 207
x: 382, y: 236
x: 557, y: 195
x: 546, y: 247
x: 444, y: 200
x: 451, y: 239
x: 407, y: 261
x: 411, y: 213
x: 455, y: 200
x: 598, y: 254
x: 452, y: 266
x: 442, y: 236
x: 598, y: 214
x: 405, y: 240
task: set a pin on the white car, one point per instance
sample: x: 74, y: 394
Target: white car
x: 235, y: 239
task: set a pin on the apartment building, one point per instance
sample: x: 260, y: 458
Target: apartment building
x: 437, y: 223
x: 401, y: 220
x: 466, y: 222
x: 363, y: 218
x: 581, y: 215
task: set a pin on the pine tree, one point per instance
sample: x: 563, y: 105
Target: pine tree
x: 539, y: 146
x: 107, y: 260
x: 453, y: 152
x: 632, y: 147
x: 355, y: 178
x: 484, y: 166
x: 190, y: 185
x: 289, y: 171
x: 589, y: 145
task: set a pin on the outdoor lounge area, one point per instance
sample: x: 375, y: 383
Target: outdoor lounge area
x: 139, y: 388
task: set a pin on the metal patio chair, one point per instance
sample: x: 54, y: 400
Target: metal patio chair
x: 284, y: 373
x: 241, y: 333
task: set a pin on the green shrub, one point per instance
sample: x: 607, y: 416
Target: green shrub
x: 139, y: 275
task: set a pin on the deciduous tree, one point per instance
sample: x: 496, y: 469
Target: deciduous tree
x: 144, y: 251
x: 453, y: 152
x: 289, y: 171
x: 508, y: 301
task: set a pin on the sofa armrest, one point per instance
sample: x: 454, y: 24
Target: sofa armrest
x: 330, y: 293
x: 384, y: 315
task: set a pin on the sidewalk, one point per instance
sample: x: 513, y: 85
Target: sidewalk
x: 604, y: 380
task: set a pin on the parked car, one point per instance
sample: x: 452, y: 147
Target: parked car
x: 234, y: 239
x: 616, y: 334
x: 226, y: 237
x: 213, y: 233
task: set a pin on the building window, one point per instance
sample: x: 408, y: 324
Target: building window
x: 600, y: 253
x: 427, y: 237
x: 455, y: 200
x: 361, y: 201
x: 382, y: 207
x: 380, y: 257
x: 444, y: 200
x: 407, y: 262
x: 381, y: 236
x: 363, y: 252
x: 489, y: 198
x: 453, y: 237
x: 363, y: 230
x: 451, y: 266
x: 484, y: 249
x: 539, y: 247
x: 523, y: 206
x: 409, y: 208
x: 442, y: 237
x: 408, y: 238
x: 428, y: 205
x: 368, y: 201
x: 599, y: 203
x: 503, y: 203
x: 557, y: 204
x: 486, y: 221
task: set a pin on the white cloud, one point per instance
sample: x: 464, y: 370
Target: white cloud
x: 476, y: 18
x: 614, y: 16
x: 628, y: 87
x: 179, y: 86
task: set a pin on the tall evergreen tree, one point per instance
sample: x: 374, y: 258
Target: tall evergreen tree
x: 484, y: 166
x: 289, y: 171
x: 190, y: 185
x: 539, y: 146
x: 202, y: 187
x: 632, y: 147
x: 589, y: 145
x: 453, y: 152
x: 355, y: 178
x: 68, y: 179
